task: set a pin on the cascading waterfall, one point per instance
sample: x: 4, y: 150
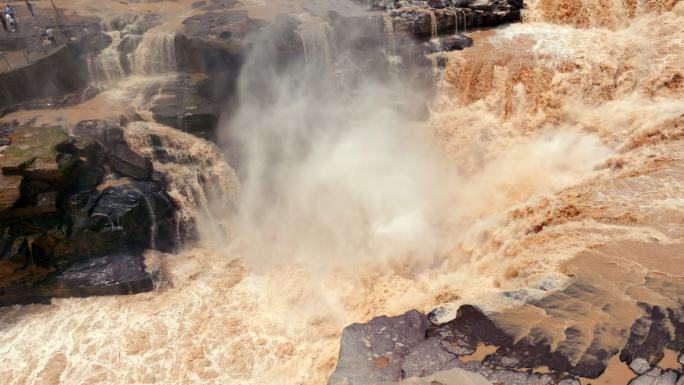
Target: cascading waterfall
x: 433, y: 22
x: 318, y: 42
x: 105, y: 67
x: 156, y: 54
x: 391, y: 42
x: 460, y: 11
x: 195, y: 171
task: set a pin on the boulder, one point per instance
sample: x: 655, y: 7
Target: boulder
x: 648, y: 378
x: 375, y: 351
x: 115, y: 274
x: 184, y: 105
x: 108, y: 134
x: 110, y: 275
x: 639, y: 365
x: 129, y: 163
x: 470, y: 328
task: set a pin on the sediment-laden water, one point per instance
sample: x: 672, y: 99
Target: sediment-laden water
x: 347, y: 211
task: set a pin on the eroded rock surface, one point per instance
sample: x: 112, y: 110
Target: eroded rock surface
x: 450, y: 345
x: 71, y: 206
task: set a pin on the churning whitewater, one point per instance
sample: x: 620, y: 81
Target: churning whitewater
x: 348, y: 201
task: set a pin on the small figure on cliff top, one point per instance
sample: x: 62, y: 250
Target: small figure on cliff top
x: 12, y: 23
x: 10, y: 11
x: 50, y: 35
x: 4, y: 23
x: 30, y: 8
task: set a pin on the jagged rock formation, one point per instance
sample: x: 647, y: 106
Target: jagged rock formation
x: 76, y: 213
x: 396, y: 348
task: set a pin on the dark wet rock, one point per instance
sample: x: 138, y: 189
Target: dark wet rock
x: 129, y: 163
x: 375, y: 351
x: 456, y: 42
x: 87, y: 148
x: 44, y: 203
x: 648, y: 336
x: 427, y: 358
x: 419, y: 22
x: 470, y: 328
x: 184, y: 104
x: 639, y: 365
x: 64, y: 203
x: 110, y: 275
x: 141, y: 209
x: 445, y: 44
x: 108, y: 134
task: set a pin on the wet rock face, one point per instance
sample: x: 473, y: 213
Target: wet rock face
x: 392, y: 349
x: 376, y: 351
x: 448, y: 17
x: 70, y: 200
x: 117, y: 274
x: 443, y: 347
x: 187, y: 104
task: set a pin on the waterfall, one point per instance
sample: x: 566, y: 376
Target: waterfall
x: 465, y: 20
x: 389, y: 32
x: 153, y: 222
x: 195, y: 171
x: 105, y: 67
x: 156, y: 54
x: 433, y: 22
x: 319, y: 43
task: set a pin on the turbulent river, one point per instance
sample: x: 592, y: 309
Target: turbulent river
x: 382, y: 216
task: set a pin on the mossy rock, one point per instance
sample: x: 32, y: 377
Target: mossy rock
x: 33, y: 153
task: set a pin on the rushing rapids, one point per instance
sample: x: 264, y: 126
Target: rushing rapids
x: 549, y: 145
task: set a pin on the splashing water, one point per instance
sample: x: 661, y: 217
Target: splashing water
x: 331, y: 182
x: 195, y: 172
